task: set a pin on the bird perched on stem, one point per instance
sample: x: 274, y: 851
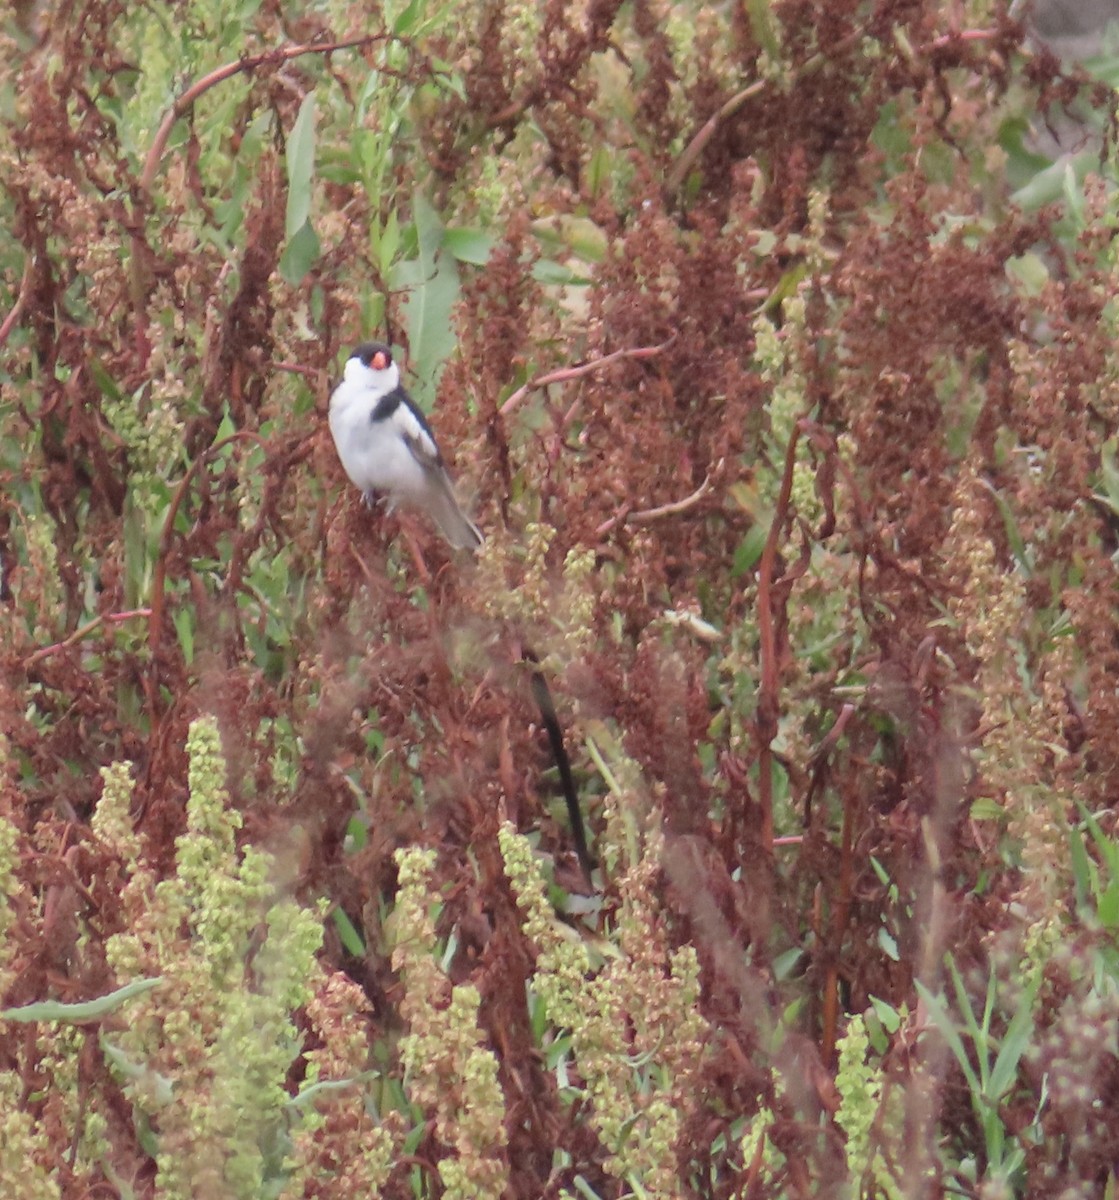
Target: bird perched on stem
x: 386, y: 444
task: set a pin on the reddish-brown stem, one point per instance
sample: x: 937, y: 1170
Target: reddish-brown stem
x: 698, y: 144
x: 646, y: 516
x: 835, y: 732
x: 21, y: 299
x: 565, y: 374
x: 182, y: 106
x: 268, y: 57
x: 311, y: 373
x: 767, y: 636
x: 841, y: 908
x: 965, y: 35
x: 84, y: 631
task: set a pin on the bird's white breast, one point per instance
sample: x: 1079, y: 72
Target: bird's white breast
x: 375, y: 454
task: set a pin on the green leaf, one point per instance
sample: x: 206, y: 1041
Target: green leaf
x: 1083, y: 868
x: 183, y: 620
x: 432, y: 282
x: 888, y: 945
x: 891, y: 135
x: 1030, y: 271
x: 887, y: 1014
x: 749, y: 549
x: 388, y: 243
x: 156, y: 1085
x: 226, y: 428
x: 987, y: 809
x: 431, y: 336
x: 763, y: 27
x: 412, y: 1141
x: 1013, y: 534
x: 1109, y: 476
x: 786, y: 286
x: 1105, y: 68
x: 785, y: 963
x: 300, y: 254
x: 357, y: 834
x: 349, y: 936
x: 301, y: 167
x: 557, y: 1051
x: 880, y: 871
x: 598, y: 169
x: 585, y: 1190
x: 1073, y: 191
x: 537, y: 1016
x: 445, y: 76
x: 977, y: 1031
x: 405, y: 23
x: 104, y: 381
x: 1054, y: 182
x: 940, y: 1017
x: 87, y: 1010
x: 560, y: 236
x: 429, y: 231
x: 1014, y: 1044
x: 1015, y: 136
x: 468, y: 245
x: 1107, y: 847
x: 325, y: 1087
x: 1107, y: 907
x: 554, y: 274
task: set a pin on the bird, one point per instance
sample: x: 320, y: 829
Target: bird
x: 386, y: 445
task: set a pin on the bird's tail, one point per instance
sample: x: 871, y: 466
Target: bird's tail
x: 456, y: 526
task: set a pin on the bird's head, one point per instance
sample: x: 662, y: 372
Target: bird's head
x: 371, y: 365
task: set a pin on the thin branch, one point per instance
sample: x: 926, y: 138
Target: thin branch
x: 182, y: 106
x: 272, y: 57
x: 84, y: 631
x: 768, y: 704
x: 698, y: 144
x: 834, y: 733
x: 21, y: 299
x: 578, y: 371
x: 963, y: 35
x: 309, y: 373
x: 646, y: 516
x: 844, y: 896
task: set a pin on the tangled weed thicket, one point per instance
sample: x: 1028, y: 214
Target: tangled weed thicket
x: 793, y: 439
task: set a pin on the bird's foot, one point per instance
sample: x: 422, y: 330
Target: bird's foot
x: 372, y: 499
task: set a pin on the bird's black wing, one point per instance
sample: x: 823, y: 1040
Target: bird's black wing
x: 398, y: 408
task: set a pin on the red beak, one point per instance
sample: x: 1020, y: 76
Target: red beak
x: 380, y: 361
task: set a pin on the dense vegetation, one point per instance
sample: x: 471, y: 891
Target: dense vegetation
x: 779, y: 366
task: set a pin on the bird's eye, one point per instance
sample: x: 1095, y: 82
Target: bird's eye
x: 380, y: 360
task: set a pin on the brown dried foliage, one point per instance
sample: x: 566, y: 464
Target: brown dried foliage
x: 905, y: 327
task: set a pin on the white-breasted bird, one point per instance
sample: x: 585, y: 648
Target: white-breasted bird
x: 386, y: 445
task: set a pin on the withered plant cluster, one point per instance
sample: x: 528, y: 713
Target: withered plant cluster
x: 793, y: 438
